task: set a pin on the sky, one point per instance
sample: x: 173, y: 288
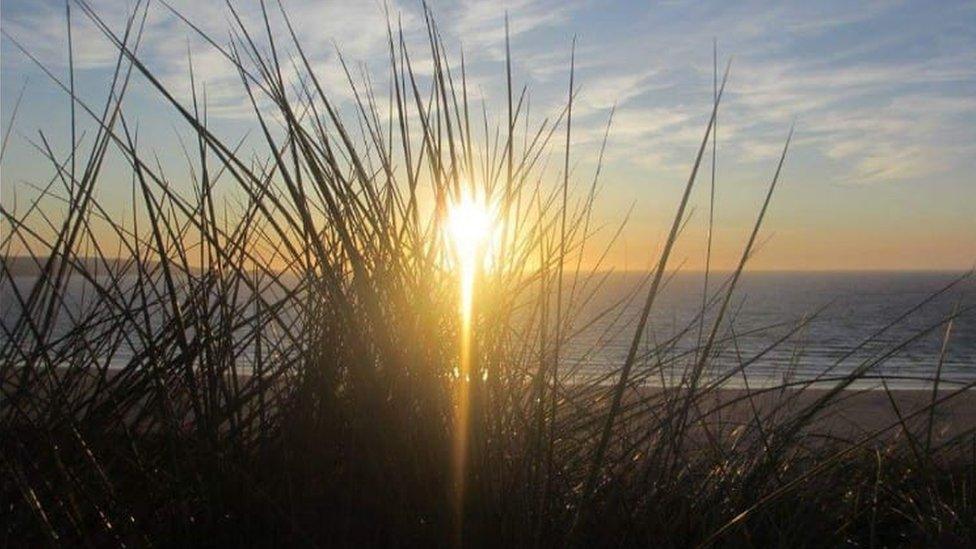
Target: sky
x: 880, y: 174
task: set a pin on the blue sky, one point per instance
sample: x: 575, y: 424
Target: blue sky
x: 881, y: 174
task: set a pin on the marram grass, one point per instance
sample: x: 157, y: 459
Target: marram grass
x: 280, y: 350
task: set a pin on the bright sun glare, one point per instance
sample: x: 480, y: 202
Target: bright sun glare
x: 470, y: 227
x: 470, y: 224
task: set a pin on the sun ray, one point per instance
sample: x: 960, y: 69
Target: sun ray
x: 471, y: 228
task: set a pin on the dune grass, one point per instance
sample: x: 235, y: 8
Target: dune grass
x: 268, y: 353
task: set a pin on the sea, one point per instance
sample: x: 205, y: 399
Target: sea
x: 786, y: 327
x: 778, y: 327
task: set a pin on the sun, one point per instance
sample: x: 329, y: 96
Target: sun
x: 471, y: 229
x: 470, y: 226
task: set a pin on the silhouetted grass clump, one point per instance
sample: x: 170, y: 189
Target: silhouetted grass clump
x: 269, y: 352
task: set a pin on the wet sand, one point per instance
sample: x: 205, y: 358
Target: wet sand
x: 849, y: 413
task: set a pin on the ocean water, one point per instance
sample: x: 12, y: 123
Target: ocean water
x: 842, y: 316
x: 842, y: 313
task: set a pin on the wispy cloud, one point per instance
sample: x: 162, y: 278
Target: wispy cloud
x: 882, y: 91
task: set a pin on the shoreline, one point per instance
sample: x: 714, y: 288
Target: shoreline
x: 858, y: 409
x: 852, y: 412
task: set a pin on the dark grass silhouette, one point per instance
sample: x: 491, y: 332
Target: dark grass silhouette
x: 271, y: 357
